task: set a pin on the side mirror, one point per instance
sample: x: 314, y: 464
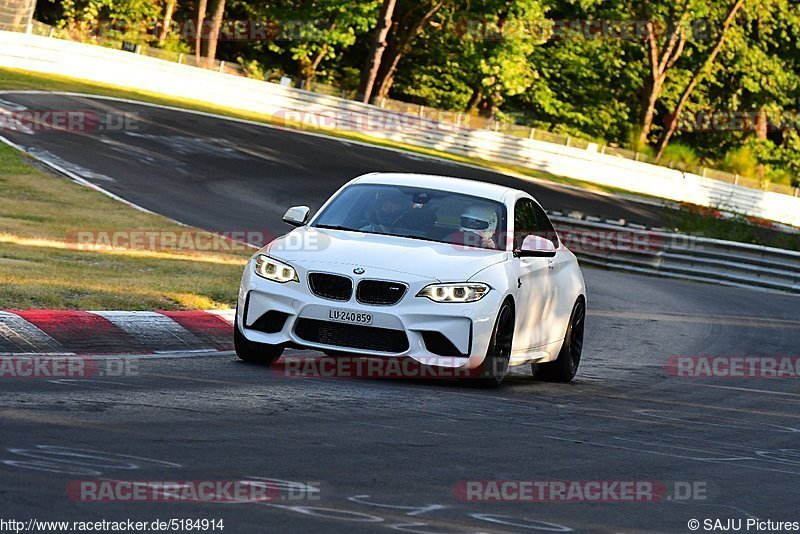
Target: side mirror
x: 534, y: 246
x: 297, y: 215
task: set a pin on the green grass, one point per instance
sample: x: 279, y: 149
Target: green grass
x: 40, y: 266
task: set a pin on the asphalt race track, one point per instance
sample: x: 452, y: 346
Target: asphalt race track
x: 174, y: 163
x: 391, y: 454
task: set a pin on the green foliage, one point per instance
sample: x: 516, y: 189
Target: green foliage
x: 680, y: 156
x: 742, y: 161
x: 504, y: 60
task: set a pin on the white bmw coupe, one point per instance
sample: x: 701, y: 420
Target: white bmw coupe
x: 451, y: 273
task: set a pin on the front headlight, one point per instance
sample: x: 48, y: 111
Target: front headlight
x: 454, y: 292
x: 275, y: 270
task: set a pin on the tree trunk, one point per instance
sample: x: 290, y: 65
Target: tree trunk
x: 648, y: 111
x: 761, y: 125
x: 166, y: 22
x: 216, y: 24
x: 198, y: 38
x: 379, y: 45
x: 698, y: 75
x: 398, y: 47
x: 661, y: 60
x: 474, y: 100
x: 308, y: 69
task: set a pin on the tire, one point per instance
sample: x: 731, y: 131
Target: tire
x: 252, y: 352
x: 495, y: 365
x: 564, y: 368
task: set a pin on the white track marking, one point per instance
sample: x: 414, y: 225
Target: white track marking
x: 27, y: 336
x: 155, y: 330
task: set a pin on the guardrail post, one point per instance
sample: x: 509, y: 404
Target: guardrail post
x: 636, y: 157
x: 533, y: 132
x: 180, y: 58
x: 567, y: 143
x: 50, y: 31
x: 137, y: 49
x: 703, y: 173
x: 736, y: 179
x: 222, y: 66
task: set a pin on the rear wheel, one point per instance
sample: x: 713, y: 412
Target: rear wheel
x: 563, y: 368
x: 252, y: 352
x: 495, y: 365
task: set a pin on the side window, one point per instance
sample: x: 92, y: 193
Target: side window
x: 544, y: 228
x: 524, y: 221
x: 530, y: 219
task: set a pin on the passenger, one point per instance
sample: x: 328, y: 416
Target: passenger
x: 478, y: 228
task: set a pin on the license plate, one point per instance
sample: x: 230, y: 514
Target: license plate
x: 347, y: 316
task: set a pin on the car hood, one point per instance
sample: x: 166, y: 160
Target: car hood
x: 311, y: 248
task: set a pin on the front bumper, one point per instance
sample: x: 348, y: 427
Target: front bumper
x: 289, y: 314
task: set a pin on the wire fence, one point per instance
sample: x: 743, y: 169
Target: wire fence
x: 472, y: 121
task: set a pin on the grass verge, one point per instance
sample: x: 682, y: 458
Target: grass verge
x: 42, y: 265
x: 705, y: 222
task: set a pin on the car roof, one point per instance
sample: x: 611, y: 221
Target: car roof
x: 445, y: 183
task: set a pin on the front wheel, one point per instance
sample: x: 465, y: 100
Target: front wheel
x: 563, y: 368
x: 251, y: 351
x: 495, y: 365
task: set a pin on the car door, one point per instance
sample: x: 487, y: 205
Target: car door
x: 534, y: 295
x: 558, y: 306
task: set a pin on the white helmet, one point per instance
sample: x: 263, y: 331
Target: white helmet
x: 480, y: 220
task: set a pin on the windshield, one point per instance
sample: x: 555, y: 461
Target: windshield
x: 418, y: 213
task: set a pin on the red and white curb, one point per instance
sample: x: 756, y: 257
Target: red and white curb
x: 67, y: 332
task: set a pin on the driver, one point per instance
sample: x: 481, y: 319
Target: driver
x: 478, y: 226
x: 390, y: 207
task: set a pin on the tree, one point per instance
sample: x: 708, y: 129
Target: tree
x: 216, y: 24
x: 315, y: 32
x: 202, y: 6
x: 661, y: 57
x: 166, y: 21
x: 378, y: 46
x: 702, y: 71
x: 412, y: 19
x: 498, y: 45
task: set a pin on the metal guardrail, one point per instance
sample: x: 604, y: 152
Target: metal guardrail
x: 661, y: 253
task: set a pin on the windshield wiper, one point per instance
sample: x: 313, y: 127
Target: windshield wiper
x: 335, y: 227
x: 407, y: 236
